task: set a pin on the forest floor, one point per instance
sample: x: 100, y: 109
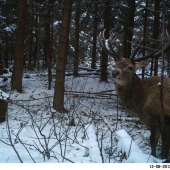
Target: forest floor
x: 88, y: 133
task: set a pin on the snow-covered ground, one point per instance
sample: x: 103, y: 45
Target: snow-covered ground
x: 39, y: 134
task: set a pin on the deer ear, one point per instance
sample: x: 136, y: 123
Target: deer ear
x: 142, y: 64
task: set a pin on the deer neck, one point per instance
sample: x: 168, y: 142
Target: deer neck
x: 132, y: 95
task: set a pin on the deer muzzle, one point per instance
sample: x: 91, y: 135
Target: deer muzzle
x: 115, y: 73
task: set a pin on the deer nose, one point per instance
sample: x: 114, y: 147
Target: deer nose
x: 115, y: 73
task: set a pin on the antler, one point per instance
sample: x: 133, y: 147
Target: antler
x: 155, y: 53
x: 103, y: 41
x: 135, y: 52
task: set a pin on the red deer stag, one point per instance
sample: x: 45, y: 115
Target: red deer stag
x: 141, y: 96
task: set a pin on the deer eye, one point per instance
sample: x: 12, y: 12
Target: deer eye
x: 130, y: 68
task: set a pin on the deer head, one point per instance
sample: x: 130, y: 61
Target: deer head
x: 125, y: 68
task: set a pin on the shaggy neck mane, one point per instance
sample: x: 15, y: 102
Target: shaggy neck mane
x: 134, y: 92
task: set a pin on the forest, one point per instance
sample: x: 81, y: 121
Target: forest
x: 58, y: 102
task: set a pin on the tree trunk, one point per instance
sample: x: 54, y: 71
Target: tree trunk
x: 156, y: 33
x: 3, y: 108
x: 47, y: 42
x: 30, y: 54
x: 93, y: 64
x: 104, y: 55
x: 6, y: 54
x: 58, y: 102
x: 168, y: 67
x: 144, y: 36
x: 7, y: 43
x: 50, y: 42
x: 77, y: 29
x: 130, y: 26
x: 125, y: 39
x: 51, y: 50
x: 129, y: 29
x: 19, y: 48
x: 1, y: 64
x: 37, y: 44
x: 36, y: 37
x: 31, y: 34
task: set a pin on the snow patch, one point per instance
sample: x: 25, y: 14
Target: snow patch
x: 133, y: 152
x: 93, y: 145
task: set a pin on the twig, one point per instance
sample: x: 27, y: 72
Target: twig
x: 9, y: 136
x: 26, y: 149
x: 129, y: 148
x: 101, y: 148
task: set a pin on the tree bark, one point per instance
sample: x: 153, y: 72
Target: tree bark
x: 129, y: 28
x: 93, y: 64
x: 31, y: 34
x: 1, y: 64
x: 168, y: 67
x: 19, y: 48
x: 6, y: 54
x: 104, y: 55
x: 156, y: 33
x: 3, y: 108
x: 144, y: 36
x: 51, y: 49
x: 58, y: 102
x: 47, y: 42
x: 50, y: 39
x: 77, y: 29
x: 37, y: 44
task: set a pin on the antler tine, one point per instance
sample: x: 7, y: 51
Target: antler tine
x: 167, y: 34
x: 110, y: 38
x: 135, y: 52
x: 100, y: 39
x: 110, y: 42
x: 155, y: 54
x: 103, y: 34
x: 150, y: 55
x: 102, y: 42
x: 114, y: 39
